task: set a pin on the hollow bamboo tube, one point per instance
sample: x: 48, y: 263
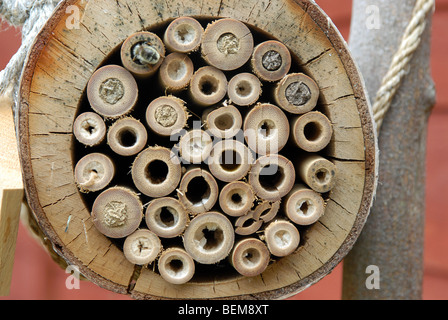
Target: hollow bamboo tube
x: 208, y: 86
x: 142, y: 53
x: 195, y: 146
x: 244, y: 89
x: 250, y: 257
x: 230, y: 160
x: 127, y: 136
x: 236, y: 198
x: 156, y: 171
x: 209, y: 237
x: 303, y: 206
x: 166, y: 217
x: 117, y: 212
x: 267, y: 210
x: 248, y: 224
x: 296, y: 93
x: 266, y: 129
x: 183, y: 35
x: 271, y: 60
x: 112, y: 91
x: 272, y: 177
x: 317, y: 172
x: 175, y: 72
x: 223, y: 122
x: 94, y: 172
x: 166, y: 115
x: 89, y: 129
x: 198, y: 190
x: 227, y: 44
x: 142, y: 247
x: 312, y: 131
x: 282, y: 238
x: 176, y: 266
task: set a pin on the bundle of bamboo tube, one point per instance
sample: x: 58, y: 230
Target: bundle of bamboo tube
x: 203, y: 142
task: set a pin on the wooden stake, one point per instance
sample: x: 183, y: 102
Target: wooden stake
x: 317, y: 172
x: 208, y: 86
x: 195, y: 146
x: 209, y: 238
x: 89, y: 129
x: 142, y: 247
x: 296, y: 93
x: 11, y: 193
x: 142, y: 53
x: 176, y: 266
x: 175, y: 72
x: 227, y: 44
x: 271, y: 60
x: 230, y: 160
x: 312, y: 131
x: 94, y: 172
x: 236, y: 198
x: 166, y: 217
x: 117, y: 212
x: 156, y: 171
x: 112, y: 91
x: 250, y: 257
x: 166, y: 115
x: 282, y: 238
x: 198, y: 190
x: 266, y: 129
x: 244, y: 89
x: 304, y: 206
x: 183, y: 35
x: 272, y: 177
x: 127, y: 136
x: 223, y: 122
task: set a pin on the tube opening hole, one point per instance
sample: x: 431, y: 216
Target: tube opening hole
x: 224, y: 121
x: 127, y: 137
x: 213, y: 238
x: 198, y: 191
x: 230, y: 160
x: 243, y: 88
x: 167, y: 217
x: 271, y: 177
x: 208, y: 85
x: 156, y: 171
x: 267, y: 128
x: 251, y: 257
x: 312, y: 131
x: 322, y: 176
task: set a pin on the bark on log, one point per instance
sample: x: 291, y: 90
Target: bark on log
x: 393, y: 236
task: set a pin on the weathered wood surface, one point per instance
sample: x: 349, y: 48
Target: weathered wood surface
x: 58, y: 69
x: 393, y: 236
x: 11, y: 194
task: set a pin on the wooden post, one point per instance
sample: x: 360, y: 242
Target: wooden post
x: 392, y: 239
x: 11, y: 194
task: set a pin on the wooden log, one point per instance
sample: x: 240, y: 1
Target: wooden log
x: 56, y: 75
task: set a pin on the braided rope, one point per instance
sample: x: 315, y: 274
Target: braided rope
x: 400, y: 61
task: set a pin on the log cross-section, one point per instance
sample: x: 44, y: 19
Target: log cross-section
x: 57, y: 72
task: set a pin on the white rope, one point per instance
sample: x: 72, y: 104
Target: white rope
x: 31, y: 15
x: 400, y: 61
